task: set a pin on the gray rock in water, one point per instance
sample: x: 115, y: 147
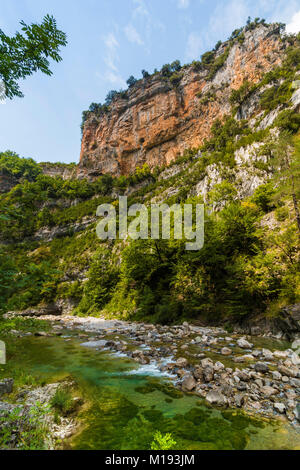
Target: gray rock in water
x: 208, y: 374
x: 244, y: 358
x: 261, y: 367
x: 276, y: 375
x: 239, y: 400
x: 267, y: 354
x: 226, y: 351
x: 279, y: 407
x: 181, y: 362
x: 244, y: 344
x: 206, y: 362
x: 219, y: 366
x: 198, y: 339
x: 288, y: 371
x: 6, y: 386
x: 216, y: 398
x: 295, y: 359
x: 296, y: 344
x: 269, y: 391
x: 198, y: 373
x: 188, y: 383
x: 295, y: 382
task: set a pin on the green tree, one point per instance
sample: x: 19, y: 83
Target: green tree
x: 25, y: 53
x: 286, y: 162
x: 12, y: 164
x: 131, y: 81
x: 8, y: 273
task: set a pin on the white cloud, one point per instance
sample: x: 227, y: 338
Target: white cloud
x: 183, y: 3
x: 194, y: 46
x: 141, y: 9
x: 111, y: 59
x: 133, y: 35
x: 115, y: 79
x: 111, y: 55
x: 294, y: 25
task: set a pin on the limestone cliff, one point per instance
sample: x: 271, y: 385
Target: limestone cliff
x: 158, y: 120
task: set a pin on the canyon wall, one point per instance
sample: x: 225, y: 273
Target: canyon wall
x: 158, y: 121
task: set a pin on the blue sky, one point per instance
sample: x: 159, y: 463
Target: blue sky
x: 109, y: 40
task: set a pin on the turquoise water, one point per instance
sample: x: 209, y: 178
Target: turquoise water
x: 125, y: 405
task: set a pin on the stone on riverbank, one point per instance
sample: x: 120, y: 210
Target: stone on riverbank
x: 188, y: 383
x: 216, y: 398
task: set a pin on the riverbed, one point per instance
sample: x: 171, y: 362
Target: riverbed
x: 126, y: 402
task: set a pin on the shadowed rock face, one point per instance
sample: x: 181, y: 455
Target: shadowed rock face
x: 159, y: 121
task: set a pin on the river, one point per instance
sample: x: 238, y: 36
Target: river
x: 128, y: 402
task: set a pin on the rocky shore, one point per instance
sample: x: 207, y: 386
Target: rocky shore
x: 31, y: 410
x: 226, y: 370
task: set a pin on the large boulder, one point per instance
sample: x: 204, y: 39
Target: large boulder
x: 208, y: 374
x: 288, y: 371
x: 226, y: 351
x: 261, y: 367
x: 188, y: 383
x: 182, y: 362
x: 244, y: 344
x: 216, y: 398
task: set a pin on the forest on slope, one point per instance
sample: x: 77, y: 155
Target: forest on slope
x: 51, y: 258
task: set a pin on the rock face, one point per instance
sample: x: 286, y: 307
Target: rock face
x: 65, y: 171
x: 159, y: 121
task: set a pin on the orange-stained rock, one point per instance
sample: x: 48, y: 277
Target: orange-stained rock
x: 159, y: 121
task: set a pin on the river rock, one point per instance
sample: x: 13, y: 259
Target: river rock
x: 226, y: 389
x: 244, y: 358
x: 267, y: 354
x: 239, y: 400
x: 296, y: 344
x: 226, y: 351
x: 188, y: 383
x: 218, y: 366
x: 288, y: 371
x: 295, y: 382
x: 268, y: 391
x: 182, y: 362
x: 276, y: 375
x: 256, y: 353
x: 216, y: 398
x: 280, y: 354
x: 198, y: 373
x: 261, y: 367
x: 198, y: 339
x: 280, y: 408
x: 244, y: 344
x: 208, y: 374
x: 207, y: 362
x: 295, y: 359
